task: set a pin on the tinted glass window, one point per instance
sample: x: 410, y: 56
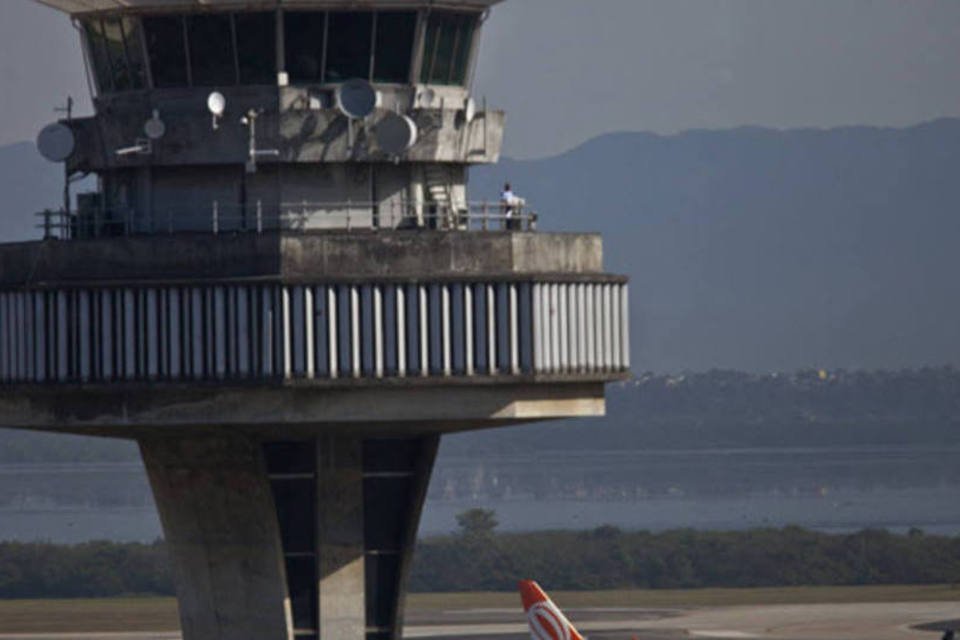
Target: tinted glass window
x: 133, y: 39
x: 461, y: 51
x: 256, y: 47
x: 349, y: 39
x: 211, y: 50
x: 394, y: 46
x: 303, y: 39
x: 446, y: 54
x: 116, y: 51
x: 167, y: 50
x: 98, y: 54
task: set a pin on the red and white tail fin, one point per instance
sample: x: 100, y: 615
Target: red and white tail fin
x: 546, y: 620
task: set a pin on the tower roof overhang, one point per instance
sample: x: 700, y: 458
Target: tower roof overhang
x: 87, y: 6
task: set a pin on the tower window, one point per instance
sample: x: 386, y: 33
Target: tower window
x: 166, y: 45
x: 256, y: 47
x: 115, y: 49
x: 335, y: 46
x: 396, y: 31
x: 98, y: 54
x: 211, y: 50
x: 447, y: 46
x: 349, y: 44
x: 304, y: 40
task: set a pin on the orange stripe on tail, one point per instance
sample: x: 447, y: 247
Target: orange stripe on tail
x: 546, y: 620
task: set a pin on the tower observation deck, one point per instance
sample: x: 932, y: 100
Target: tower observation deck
x: 280, y: 289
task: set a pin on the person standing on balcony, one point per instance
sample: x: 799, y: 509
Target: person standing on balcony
x: 509, y: 206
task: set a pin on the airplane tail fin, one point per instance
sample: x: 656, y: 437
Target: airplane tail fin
x: 546, y: 620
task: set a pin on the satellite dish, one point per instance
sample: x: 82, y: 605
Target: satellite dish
x: 356, y: 99
x: 469, y: 110
x: 56, y: 142
x: 396, y: 134
x: 216, y: 103
x: 154, y: 128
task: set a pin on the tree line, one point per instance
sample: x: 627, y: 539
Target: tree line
x: 478, y: 558
x: 609, y: 558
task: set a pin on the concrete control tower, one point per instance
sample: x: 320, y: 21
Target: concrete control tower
x: 281, y: 291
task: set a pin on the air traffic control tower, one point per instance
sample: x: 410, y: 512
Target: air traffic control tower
x: 280, y: 289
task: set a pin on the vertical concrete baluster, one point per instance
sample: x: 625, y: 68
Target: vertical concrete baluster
x: 401, y: 331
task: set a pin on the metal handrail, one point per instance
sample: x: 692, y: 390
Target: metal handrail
x: 304, y: 216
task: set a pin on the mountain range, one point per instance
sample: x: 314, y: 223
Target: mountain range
x: 766, y: 250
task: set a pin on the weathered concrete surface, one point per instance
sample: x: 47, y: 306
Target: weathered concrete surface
x: 552, y: 252
x: 221, y: 529
x: 129, y: 410
x: 301, y: 133
x: 340, y: 538
x: 303, y: 257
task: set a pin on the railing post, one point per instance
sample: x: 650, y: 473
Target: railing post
x: 349, y: 211
x: 46, y: 224
x: 486, y: 222
x: 259, y: 216
x: 216, y: 217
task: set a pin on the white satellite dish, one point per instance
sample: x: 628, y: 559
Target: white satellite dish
x: 356, y: 99
x: 469, y: 110
x: 56, y: 142
x: 216, y: 103
x: 396, y: 134
x: 154, y: 128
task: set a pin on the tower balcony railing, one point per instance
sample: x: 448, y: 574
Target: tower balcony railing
x: 532, y: 328
x: 305, y: 216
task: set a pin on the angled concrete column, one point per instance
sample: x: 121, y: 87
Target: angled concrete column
x: 221, y: 529
x: 340, y: 550
x: 292, y: 539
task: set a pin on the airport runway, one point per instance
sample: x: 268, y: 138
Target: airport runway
x: 883, y: 621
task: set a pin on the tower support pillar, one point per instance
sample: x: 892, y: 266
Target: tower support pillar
x: 294, y: 539
x: 340, y: 551
x: 218, y: 517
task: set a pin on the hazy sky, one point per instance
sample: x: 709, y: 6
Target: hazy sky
x: 567, y: 70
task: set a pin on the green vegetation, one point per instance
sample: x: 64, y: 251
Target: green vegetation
x: 90, y: 570
x: 478, y: 559
x: 608, y: 558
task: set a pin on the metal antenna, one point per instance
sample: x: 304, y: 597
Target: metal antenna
x: 68, y: 110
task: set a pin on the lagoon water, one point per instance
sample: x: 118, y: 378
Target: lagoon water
x: 822, y: 488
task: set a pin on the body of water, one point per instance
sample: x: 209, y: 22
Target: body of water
x: 826, y: 489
